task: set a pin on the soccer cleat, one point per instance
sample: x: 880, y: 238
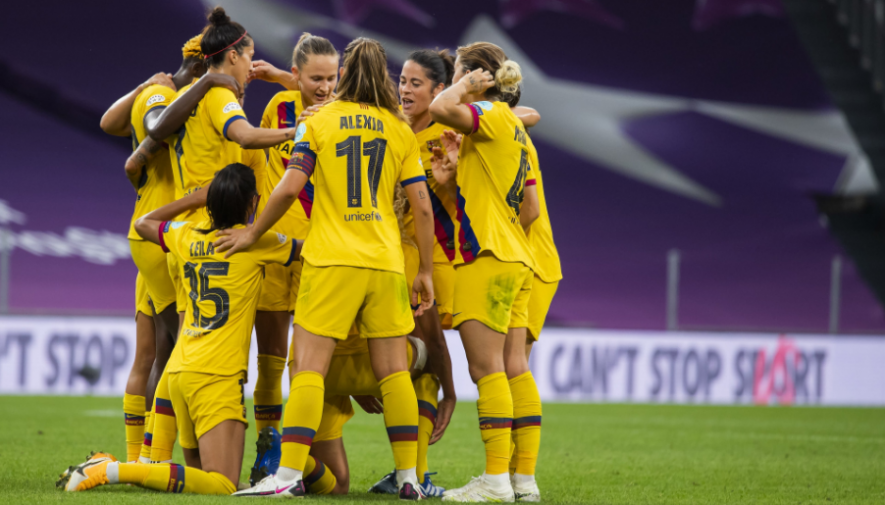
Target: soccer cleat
x: 478, y: 490
x: 428, y: 489
x: 269, y: 449
x: 387, y: 485
x: 86, y: 475
x: 271, y: 487
x: 409, y: 492
x: 528, y: 492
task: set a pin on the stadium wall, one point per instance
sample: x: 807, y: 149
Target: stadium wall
x: 83, y: 355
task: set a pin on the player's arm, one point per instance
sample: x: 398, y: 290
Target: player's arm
x: 116, y: 120
x: 136, y: 162
x: 419, y: 200
x: 445, y: 164
x: 448, y: 107
x: 177, y: 112
x: 250, y: 137
x: 529, y: 116
x: 264, y: 71
x: 530, y: 208
x: 282, y: 197
x: 148, y: 225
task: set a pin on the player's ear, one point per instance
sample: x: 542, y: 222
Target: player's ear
x: 437, y: 90
x: 341, y: 73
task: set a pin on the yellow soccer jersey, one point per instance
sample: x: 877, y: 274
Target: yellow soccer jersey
x: 281, y: 112
x: 444, y: 208
x: 493, y: 169
x: 356, y: 154
x: 156, y: 186
x: 176, y: 149
x: 540, y: 233
x: 223, y: 296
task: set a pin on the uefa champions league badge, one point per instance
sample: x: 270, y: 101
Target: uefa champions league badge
x: 299, y: 133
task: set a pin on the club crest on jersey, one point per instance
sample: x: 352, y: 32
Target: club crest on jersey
x: 433, y: 143
x: 299, y: 133
x: 231, y: 107
x: 155, y: 99
x: 282, y: 238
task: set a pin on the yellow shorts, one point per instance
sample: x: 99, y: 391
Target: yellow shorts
x: 493, y: 292
x: 279, y: 289
x: 151, y: 263
x: 539, y: 305
x: 443, y: 283
x: 182, y: 290
x: 337, y: 410
x: 330, y: 299
x: 142, y: 300
x: 203, y: 401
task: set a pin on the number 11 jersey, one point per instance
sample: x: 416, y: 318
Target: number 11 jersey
x: 356, y: 153
x: 223, y: 296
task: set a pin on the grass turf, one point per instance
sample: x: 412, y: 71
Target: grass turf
x: 590, y: 453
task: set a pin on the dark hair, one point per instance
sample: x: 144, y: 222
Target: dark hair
x: 438, y: 65
x: 230, y: 196
x: 512, y: 98
x: 490, y: 57
x: 220, y: 33
x: 366, y: 79
x: 309, y: 45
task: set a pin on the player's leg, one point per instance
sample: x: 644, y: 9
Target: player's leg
x: 272, y: 335
x: 332, y: 454
x: 134, y: 405
x: 327, y: 471
x: 165, y: 424
x: 427, y: 392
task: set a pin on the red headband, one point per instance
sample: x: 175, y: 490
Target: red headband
x: 228, y: 47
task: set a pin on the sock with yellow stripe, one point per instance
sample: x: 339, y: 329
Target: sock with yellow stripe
x: 526, y: 423
x: 401, y: 419
x: 300, y: 422
x: 145, y: 456
x: 427, y: 392
x: 133, y: 414
x: 495, y: 406
x: 165, y: 429
x: 513, y: 458
x: 268, y: 396
x: 318, y: 479
x: 170, y: 478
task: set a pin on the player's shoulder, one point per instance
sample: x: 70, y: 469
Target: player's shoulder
x: 154, y: 95
x: 282, y: 97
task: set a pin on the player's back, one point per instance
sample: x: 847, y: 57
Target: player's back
x: 223, y: 296
x: 357, y: 153
x: 155, y: 185
x: 492, y: 172
x: 540, y: 234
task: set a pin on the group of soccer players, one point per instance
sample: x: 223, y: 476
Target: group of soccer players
x: 376, y: 219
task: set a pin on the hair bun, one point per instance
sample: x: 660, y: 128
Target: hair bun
x: 507, y: 77
x: 218, y: 17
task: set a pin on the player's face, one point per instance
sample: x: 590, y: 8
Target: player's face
x: 317, y: 78
x: 242, y: 64
x: 415, y: 89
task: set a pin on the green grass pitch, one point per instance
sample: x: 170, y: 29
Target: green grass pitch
x: 628, y: 454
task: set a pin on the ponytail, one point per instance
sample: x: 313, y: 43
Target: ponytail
x: 222, y: 35
x: 490, y: 57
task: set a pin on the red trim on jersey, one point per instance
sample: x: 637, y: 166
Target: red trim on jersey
x: 531, y: 182
x: 162, y: 240
x: 475, y: 117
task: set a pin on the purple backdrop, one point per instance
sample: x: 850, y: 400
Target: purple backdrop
x: 754, y: 256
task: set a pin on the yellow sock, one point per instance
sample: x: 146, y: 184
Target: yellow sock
x: 268, y: 396
x: 317, y: 478
x: 526, y: 422
x: 513, y: 458
x: 175, y: 479
x: 148, y: 435
x: 401, y: 418
x: 427, y: 391
x: 495, y: 407
x: 133, y: 413
x: 165, y: 429
x: 302, y: 418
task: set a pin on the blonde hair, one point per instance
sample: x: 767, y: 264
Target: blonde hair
x: 192, y: 49
x: 366, y: 79
x: 490, y: 57
x: 309, y: 45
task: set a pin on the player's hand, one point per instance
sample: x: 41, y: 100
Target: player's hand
x: 310, y: 111
x: 444, y: 412
x: 217, y: 80
x: 265, y: 71
x: 370, y: 404
x: 444, y: 164
x: 422, y: 292
x: 235, y: 240
x: 478, y: 81
x: 162, y: 79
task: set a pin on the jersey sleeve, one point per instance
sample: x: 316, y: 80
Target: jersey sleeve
x: 275, y: 247
x: 412, y: 171
x: 223, y: 109
x: 156, y: 98
x: 484, y: 114
x: 169, y: 234
x: 531, y: 170
x: 304, y: 152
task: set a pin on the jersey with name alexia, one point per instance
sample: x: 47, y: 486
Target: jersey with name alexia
x: 356, y: 154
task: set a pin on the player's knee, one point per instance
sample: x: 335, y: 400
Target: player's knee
x: 342, y: 486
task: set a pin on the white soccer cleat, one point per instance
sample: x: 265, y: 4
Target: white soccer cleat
x: 480, y: 490
x: 271, y: 487
x: 527, y: 491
